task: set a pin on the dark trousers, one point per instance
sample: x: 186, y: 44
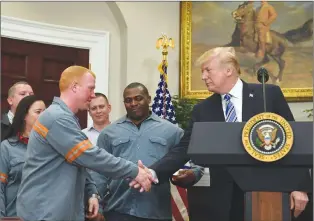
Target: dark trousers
x: 115, y: 216
x: 203, y: 209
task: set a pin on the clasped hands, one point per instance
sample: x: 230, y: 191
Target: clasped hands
x: 144, y: 178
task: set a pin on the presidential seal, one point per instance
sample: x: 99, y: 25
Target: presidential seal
x: 267, y: 137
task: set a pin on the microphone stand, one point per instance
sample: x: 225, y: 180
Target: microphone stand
x: 264, y: 92
x: 262, y: 77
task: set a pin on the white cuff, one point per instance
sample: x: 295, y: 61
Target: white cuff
x: 154, y: 176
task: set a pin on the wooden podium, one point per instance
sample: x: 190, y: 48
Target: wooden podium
x: 270, y: 206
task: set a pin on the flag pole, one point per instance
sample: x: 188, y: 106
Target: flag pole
x: 163, y: 108
x: 164, y: 42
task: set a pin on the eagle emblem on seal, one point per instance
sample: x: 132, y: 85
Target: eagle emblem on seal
x: 266, y: 137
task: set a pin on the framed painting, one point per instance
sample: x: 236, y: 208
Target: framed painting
x: 288, y: 53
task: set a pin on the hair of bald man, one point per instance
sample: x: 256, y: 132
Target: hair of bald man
x: 11, y: 91
x: 72, y: 73
x: 226, y: 56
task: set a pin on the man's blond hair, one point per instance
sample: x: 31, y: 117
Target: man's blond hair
x: 11, y: 91
x: 72, y: 73
x: 226, y: 56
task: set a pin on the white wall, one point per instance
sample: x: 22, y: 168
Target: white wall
x: 134, y: 28
x: 146, y: 21
x: 298, y: 110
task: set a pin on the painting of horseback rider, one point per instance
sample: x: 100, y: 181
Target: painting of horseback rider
x: 277, y: 35
x: 265, y: 16
x: 261, y: 18
x: 256, y: 35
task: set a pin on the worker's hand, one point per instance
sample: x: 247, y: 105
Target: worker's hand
x: 145, y: 182
x: 93, y: 207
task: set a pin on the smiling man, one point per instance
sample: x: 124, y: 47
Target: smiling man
x: 139, y: 136
x: 99, y: 110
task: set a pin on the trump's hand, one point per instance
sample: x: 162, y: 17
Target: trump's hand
x: 298, y: 202
x: 93, y: 207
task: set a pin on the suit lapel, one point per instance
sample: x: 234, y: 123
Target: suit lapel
x: 248, y: 102
x: 215, y: 105
x: 5, y: 119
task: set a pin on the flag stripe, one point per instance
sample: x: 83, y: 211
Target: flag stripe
x: 179, y: 201
x: 175, y: 211
x: 183, y: 195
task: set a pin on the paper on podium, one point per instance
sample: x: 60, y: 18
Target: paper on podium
x: 205, y: 180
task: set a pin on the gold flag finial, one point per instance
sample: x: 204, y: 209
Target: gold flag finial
x: 164, y: 42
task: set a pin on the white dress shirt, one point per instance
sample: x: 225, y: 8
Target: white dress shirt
x: 92, y: 134
x: 236, y: 99
x: 10, y: 116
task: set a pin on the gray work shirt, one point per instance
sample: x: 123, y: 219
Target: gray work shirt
x: 12, y: 158
x: 99, y: 179
x: 54, y: 174
x: 148, y: 143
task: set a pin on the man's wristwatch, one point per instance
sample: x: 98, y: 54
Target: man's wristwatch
x: 95, y: 196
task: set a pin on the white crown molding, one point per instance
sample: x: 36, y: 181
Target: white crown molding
x: 96, y: 41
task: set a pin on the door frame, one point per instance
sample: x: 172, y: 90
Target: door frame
x: 97, y: 42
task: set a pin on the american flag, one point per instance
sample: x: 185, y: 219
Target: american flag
x: 163, y: 107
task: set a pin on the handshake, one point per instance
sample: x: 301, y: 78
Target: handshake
x: 144, y: 178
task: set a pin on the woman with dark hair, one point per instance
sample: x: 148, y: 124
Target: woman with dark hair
x: 13, y: 151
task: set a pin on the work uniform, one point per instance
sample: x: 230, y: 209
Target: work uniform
x: 148, y: 142
x: 99, y: 179
x: 54, y: 175
x: 12, y: 158
x: 90, y: 189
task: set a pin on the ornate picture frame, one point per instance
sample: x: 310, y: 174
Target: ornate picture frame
x: 187, y: 90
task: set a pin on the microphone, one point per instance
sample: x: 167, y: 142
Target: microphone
x: 263, y: 77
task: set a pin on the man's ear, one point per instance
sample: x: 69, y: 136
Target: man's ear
x: 229, y: 71
x: 73, y: 86
x: 109, y: 107
x: 9, y: 99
